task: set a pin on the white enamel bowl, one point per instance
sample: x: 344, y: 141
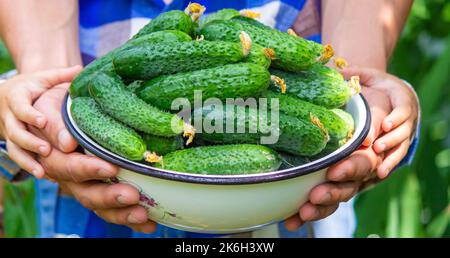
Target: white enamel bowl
x: 224, y: 204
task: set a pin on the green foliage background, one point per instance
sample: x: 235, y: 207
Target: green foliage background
x: 414, y: 201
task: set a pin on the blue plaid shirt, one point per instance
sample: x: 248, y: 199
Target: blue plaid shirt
x: 104, y: 25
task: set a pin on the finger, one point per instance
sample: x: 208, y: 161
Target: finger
x: 147, y: 227
x: 367, y: 76
x: 20, y: 103
x: 392, y: 159
x: 310, y: 212
x: 96, y: 195
x: 293, y: 223
x: 76, y: 167
x: 24, y: 160
x: 125, y: 216
x: 371, y: 136
x: 333, y: 193
x: 356, y: 167
x: 397, y: 117
x: 378, y: 113
x: 55, y: 130
x: 393, y: 138
x: 16, y: 132
x: 59, y: 75
x: 403, y: 104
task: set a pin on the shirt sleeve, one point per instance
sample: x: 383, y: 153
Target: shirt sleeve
x: 8, y: 168
x: 408, y: 159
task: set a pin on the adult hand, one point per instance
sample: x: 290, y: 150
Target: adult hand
x: 399, y: 126
x: 392, y: 105
x: 81, y: 175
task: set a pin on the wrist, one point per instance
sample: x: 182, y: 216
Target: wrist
x: 42, y: 55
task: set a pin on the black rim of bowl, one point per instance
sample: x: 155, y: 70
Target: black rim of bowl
x: 212, y: 179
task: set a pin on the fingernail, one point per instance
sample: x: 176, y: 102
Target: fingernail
x: 385, y: 172
x: 311, y: 214
x: 367, y: 141
x: 389, y: 126
x: 294, y: 226
x: 325, y: 198
x: 133, y: 220
x: 382, y: 146
x: 64, y: 138
x: 36, y: 173
x: 40, y: 121
x: 43, y: 150
x: 123, y: 200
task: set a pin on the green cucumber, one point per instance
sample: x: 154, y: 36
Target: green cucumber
x: 158, y: 37
x: 321, y: 85
x: 222, y: 160
x: 337, y: 128
x: 296, y: 136
x: 147, y: 62
x: 334, y: 145
x: 251, y: 21
x: 171, y: 20
x: 348, y: 119
x: 240, y: 80
x: 163, y: 145
x: 331, y: 147
x: 292, y: 53
x: 260, y: 55
x: 79, y: 85
x: 119, y: 102
x: 135, y: 85
x: 106, y: 131
x: 224, y: 14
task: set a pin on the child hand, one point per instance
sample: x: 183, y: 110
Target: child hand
x: 398, y: 127
x: 16, y: 111
x: 394, y: 111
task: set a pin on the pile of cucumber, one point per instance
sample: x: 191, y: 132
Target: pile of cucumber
x: 123, y: 99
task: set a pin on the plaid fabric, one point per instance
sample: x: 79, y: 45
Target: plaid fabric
x: 104, y: 25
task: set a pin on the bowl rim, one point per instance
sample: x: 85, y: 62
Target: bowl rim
x: 216, y: 179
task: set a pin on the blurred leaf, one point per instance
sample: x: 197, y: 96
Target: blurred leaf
x: 410, y: 207
x: 19, y: 209
x: 443, y: 159
x: 5, y: 60
x: 439, y: 130
x: 446, y: 12
x: 371, y: 210
x: 393, y: 217
x: 433, y: 183
x: 420, y: 9
x: 435, y: 81
x: 440, y: 224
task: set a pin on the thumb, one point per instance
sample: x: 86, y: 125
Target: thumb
x: 57, y: 76
x: 367, y: 76
x: 293, y: 223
